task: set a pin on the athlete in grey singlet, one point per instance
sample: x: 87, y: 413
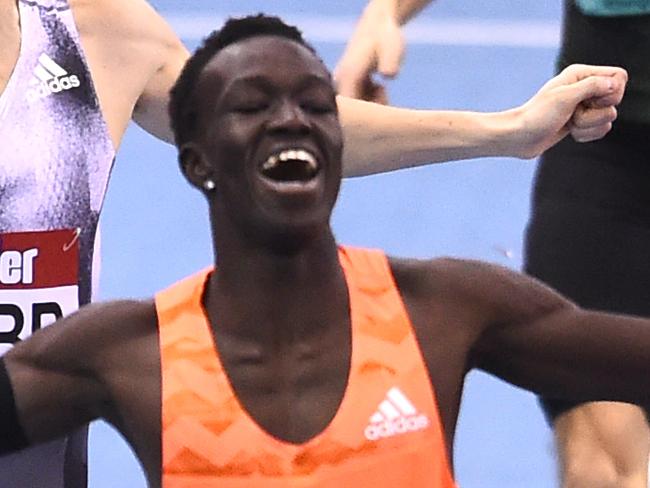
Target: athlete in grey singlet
x: 56, y: 157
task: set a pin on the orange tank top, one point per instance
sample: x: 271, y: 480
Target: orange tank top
x: 385, y: 434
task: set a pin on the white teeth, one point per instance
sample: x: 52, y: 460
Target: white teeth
x: 270, y: 163
x: 291, y: 155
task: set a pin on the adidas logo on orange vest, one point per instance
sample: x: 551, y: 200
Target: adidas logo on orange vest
x: 395, y: 415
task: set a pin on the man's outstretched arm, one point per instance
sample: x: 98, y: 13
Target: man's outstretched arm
x: 380, y: 138
x: 580, y: 101
x: 56, y: 380
x: 536, y: 339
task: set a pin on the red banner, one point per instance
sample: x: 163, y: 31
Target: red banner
x: 44, y: 259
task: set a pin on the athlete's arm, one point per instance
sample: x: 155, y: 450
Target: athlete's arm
x: 134, y: 58
x: 150, y: 111
x: 581, y: 100
x: 535, y: 338
x: 60, y: 376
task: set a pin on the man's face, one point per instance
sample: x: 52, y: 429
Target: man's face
x: 271, y: 135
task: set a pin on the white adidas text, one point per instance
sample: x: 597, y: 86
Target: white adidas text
x: 57, y: 85
x: 50, y: 78
x: 395, y: 415
x: 390, y: 428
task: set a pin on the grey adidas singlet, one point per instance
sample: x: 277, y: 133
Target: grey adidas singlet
x: 55, y: 157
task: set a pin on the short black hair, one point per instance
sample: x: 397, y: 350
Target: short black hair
x: 182, y: 105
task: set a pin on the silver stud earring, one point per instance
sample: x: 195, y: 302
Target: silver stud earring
x: 208, y: 185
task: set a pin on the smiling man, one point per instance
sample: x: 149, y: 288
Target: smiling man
x: 73, y: 73
x: 298, y: 360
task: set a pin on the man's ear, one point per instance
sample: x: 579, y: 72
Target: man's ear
x: 195, y: 167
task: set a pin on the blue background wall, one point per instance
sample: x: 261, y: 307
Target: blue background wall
x: 465, y: 55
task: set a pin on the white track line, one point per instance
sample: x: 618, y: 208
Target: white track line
x: 442, y: 31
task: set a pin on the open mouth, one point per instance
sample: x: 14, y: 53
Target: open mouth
x: 290, y: 165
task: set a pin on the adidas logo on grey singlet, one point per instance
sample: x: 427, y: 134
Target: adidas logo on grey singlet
x: 49, y: 78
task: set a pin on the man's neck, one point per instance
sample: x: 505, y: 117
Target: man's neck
x: 291, y: 294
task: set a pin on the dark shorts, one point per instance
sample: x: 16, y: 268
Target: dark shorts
x: 57, y: 464
x: 589, y: 234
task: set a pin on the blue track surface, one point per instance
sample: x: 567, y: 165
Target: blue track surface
x: 154, y: 227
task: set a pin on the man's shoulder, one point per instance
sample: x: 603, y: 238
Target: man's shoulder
x: 123, y: 314
x: 465, y: 279
x: 493, y: 290
x: 447, y: 270
x: 115, y: 329
x: 106, y: 324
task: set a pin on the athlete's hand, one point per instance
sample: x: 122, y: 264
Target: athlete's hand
x: 377, y: 45
x: 580, y: 101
